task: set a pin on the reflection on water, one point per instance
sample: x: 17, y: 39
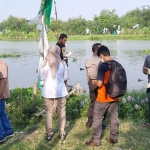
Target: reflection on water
x: 22, y: 71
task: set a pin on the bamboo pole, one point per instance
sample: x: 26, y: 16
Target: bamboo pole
x: 35, y: 92
x: 56, y: 20
x: 21, y: 106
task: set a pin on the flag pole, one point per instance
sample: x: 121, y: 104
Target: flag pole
x: 56, y: 19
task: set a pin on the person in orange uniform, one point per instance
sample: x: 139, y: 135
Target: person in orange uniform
x: 104, y: 103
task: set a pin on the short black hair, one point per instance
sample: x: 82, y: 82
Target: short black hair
x: 62, y: 36
x: 103, y: 50
x: 95, y: 47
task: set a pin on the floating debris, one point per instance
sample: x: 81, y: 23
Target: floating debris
x: 74, y: 59
x: 81, y: 69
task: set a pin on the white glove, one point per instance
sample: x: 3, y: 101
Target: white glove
x: 69, y: 54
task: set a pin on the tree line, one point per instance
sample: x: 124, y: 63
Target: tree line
x: 77, y: 26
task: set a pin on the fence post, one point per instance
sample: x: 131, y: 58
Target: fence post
x: 35, y: 92
x: 78, y: 88
x: 21, y: 106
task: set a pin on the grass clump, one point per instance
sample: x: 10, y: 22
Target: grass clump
x: 9, y: 55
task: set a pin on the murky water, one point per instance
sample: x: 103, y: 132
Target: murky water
x: 22, y: 71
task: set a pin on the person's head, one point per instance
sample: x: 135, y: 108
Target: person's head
x: 95, y: 47
x: 53, y: 59
x: 63, y: 38
x: 103, y: 52
x: 54, y: 51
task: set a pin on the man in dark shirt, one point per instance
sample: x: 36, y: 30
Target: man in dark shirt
x: 146, y: 71
x: 104, y: 103
x: 61, y: 43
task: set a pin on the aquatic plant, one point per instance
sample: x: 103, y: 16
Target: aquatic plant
x: 9, y: 55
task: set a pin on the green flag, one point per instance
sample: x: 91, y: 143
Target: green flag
x: 46, y: 7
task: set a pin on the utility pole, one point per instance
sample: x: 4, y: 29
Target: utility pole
x: 56, y: 20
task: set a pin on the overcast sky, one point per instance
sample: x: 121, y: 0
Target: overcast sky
x: 67, y: 8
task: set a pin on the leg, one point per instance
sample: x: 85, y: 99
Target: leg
x: 93, y: 95
x: 114, y: 121
x: 99, y: 111
x: 1, y: 125
x: 49, y: 104
x: 61, y: 110
x: 4, y: 121
x: 148, y: 96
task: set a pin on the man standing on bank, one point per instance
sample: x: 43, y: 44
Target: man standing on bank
x: 146, y: 71
x: 5, y: 127
x: 104, y: 103
x: 61, y: 43
x: 91, y: 72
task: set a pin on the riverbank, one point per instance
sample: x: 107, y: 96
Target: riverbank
x: 30, y: 130
x: 52, y: 37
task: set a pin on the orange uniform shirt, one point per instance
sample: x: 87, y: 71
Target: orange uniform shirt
x: 103, y: 75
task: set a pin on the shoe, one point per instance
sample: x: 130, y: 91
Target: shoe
x: 8, y: 135
x: 91, y: 143
x: 88, y: 124
x: 49, y: 137
x: 111, y: 141
x: 62, y: 136
x: 2, y: 140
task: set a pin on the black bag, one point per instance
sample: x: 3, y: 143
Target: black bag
x: 117, y: 83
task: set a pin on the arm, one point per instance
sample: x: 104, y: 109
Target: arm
x: 145, y: 70
x: 2, y: 85
x: 3, y: 77
x: 100, y: 76
x: 98, y: 83
x: 66, y: 74
x: 145, y: 67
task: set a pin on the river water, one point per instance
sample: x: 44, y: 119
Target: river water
x: 22, y: 70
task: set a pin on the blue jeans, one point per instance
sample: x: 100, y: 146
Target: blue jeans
x: 5, y: 126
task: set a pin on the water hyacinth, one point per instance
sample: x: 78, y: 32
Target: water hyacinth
x: 142, y: 102
x: 75, y: 110
x: 124, y: 100
x: 81, y: 104
x: 146, y: 99
x: 129, y: 98
x: 136, y: 106
x: 133, y: 99
x: 138, y: 98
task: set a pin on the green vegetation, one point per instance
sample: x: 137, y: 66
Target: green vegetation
x: 9, y: 55
x: 146, y: 51
x: 18, y: 29
x: 133, y: 112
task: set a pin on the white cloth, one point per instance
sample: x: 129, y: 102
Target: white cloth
x: 54, y: 87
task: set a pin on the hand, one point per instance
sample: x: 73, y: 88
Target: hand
x: 69, y: 54
x: 94, y: 82
x: 145, y: 70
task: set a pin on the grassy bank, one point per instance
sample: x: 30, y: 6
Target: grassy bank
x: 133, y: 112
x: 109, y: 37
x: 52, y: 37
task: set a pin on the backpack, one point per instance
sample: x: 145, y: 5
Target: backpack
x: 117, y: 82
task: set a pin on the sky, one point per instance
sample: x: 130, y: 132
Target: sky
x: 68, y: 8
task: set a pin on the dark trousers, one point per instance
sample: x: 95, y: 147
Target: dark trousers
x: 5, y: 126
x: 93, y: 95
x: 148, y: 96
x: 99, y: 110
